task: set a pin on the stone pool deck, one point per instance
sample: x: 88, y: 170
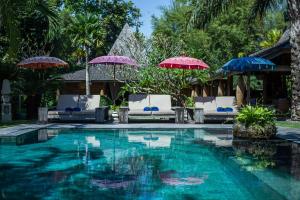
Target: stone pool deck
x: 290, y: 134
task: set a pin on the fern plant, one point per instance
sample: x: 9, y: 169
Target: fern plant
x: 256, y: 115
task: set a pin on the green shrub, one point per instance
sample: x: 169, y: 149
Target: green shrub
x: 189, y: 102
x: 256, y: 115
x: 255, y: 122
x: 105, y: 101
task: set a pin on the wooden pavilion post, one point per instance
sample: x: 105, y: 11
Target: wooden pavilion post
x: 221, y: 91
x: 265, y: 87
x: 229, y: 85
x: 248, y: 89
x: 240, y: 91
x: 205, y: 91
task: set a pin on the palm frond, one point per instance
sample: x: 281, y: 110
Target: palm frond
x: 260, y: 7
x: 206, y: 10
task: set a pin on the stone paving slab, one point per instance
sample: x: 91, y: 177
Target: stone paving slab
x: 290, y: 134
x: 21, y: 129
x: 139, y: 126
x: 25, y: 128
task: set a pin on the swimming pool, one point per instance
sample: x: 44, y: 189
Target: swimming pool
x: 148, y: 164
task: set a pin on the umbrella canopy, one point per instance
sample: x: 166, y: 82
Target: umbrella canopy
x: 42, y: 62
x: 183, y: 62
x: 248, y: 64
x: 114, y: 60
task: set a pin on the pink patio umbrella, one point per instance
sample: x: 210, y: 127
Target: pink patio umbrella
x: 42, y: 63
x: 184, y: 62
x: 114, y: 60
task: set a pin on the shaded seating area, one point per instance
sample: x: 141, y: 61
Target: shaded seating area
x: 150, y: 106
x: 220, y: 108
x: 77, y: 108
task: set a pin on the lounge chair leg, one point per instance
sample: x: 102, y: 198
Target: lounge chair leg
x: 179, y: 115
x: 123, y: 115
x: 199, y: 115
x: 43, y: 115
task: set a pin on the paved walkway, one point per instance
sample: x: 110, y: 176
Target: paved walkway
x: 290, y: 134
x: 24, y: 128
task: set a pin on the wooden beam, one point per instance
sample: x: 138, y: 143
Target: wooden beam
x: 221, y: 90
x: 240, y: 91
x: 248, y: 88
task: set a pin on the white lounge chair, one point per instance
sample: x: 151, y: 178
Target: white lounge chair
x: 138, y: 102
x: 86, y: 104
x: 210, y: 107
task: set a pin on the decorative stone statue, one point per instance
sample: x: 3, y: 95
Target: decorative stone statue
x: 6, y: 106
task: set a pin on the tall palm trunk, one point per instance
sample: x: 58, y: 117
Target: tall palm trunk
x: 87, y: 74
x: 294, y: 12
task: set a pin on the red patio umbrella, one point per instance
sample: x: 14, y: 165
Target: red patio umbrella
x: 184, y: 62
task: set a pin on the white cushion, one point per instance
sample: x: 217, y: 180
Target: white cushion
x: 67, y: 100
x: 226, y: 101
x: 89, y: 102
x: 163, y: 102
x: 138, y: 102
x: 207, y: 103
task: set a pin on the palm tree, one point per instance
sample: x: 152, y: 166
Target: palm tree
x: 87, y: 34
x: 205, y: 10
x: 11, y: 13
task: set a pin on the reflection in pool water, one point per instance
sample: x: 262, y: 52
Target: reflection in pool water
x: 148, y: 164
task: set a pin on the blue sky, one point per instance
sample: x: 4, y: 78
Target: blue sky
x: 149, y: 8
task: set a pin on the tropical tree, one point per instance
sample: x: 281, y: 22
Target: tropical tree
x: 11, y: 14
x: 206, y: 10
x: 272, y: 37
x: 86, y: 33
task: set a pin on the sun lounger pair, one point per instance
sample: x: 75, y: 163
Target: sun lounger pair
x: 143, y: 106
x: 220, y: 108
x: 75, y: 108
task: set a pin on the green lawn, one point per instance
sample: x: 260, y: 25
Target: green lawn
x: 289, y: 124
x: 15, y: 122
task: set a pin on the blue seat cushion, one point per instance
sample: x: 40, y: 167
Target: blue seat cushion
x: 221, y: 109
x: 228, y: 109
x: 76, y: 109
x: 69, y: 109
x: 154, y: 108
x: 147, y: 109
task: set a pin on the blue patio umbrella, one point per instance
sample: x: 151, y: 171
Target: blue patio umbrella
x: 248, y: 64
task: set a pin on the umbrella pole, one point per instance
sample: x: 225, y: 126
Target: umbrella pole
x: 114, y: 98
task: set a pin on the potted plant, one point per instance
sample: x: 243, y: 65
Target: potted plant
x: 255, y: 122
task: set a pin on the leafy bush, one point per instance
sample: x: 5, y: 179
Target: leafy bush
x: 105, y: 101
x: 189, y: 102
x: 256, y: 115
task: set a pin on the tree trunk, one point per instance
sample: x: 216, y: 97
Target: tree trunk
x: 294, y: 13
x: 87, y: 74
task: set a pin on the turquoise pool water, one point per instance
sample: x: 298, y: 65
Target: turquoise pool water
x: 148, y: 164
